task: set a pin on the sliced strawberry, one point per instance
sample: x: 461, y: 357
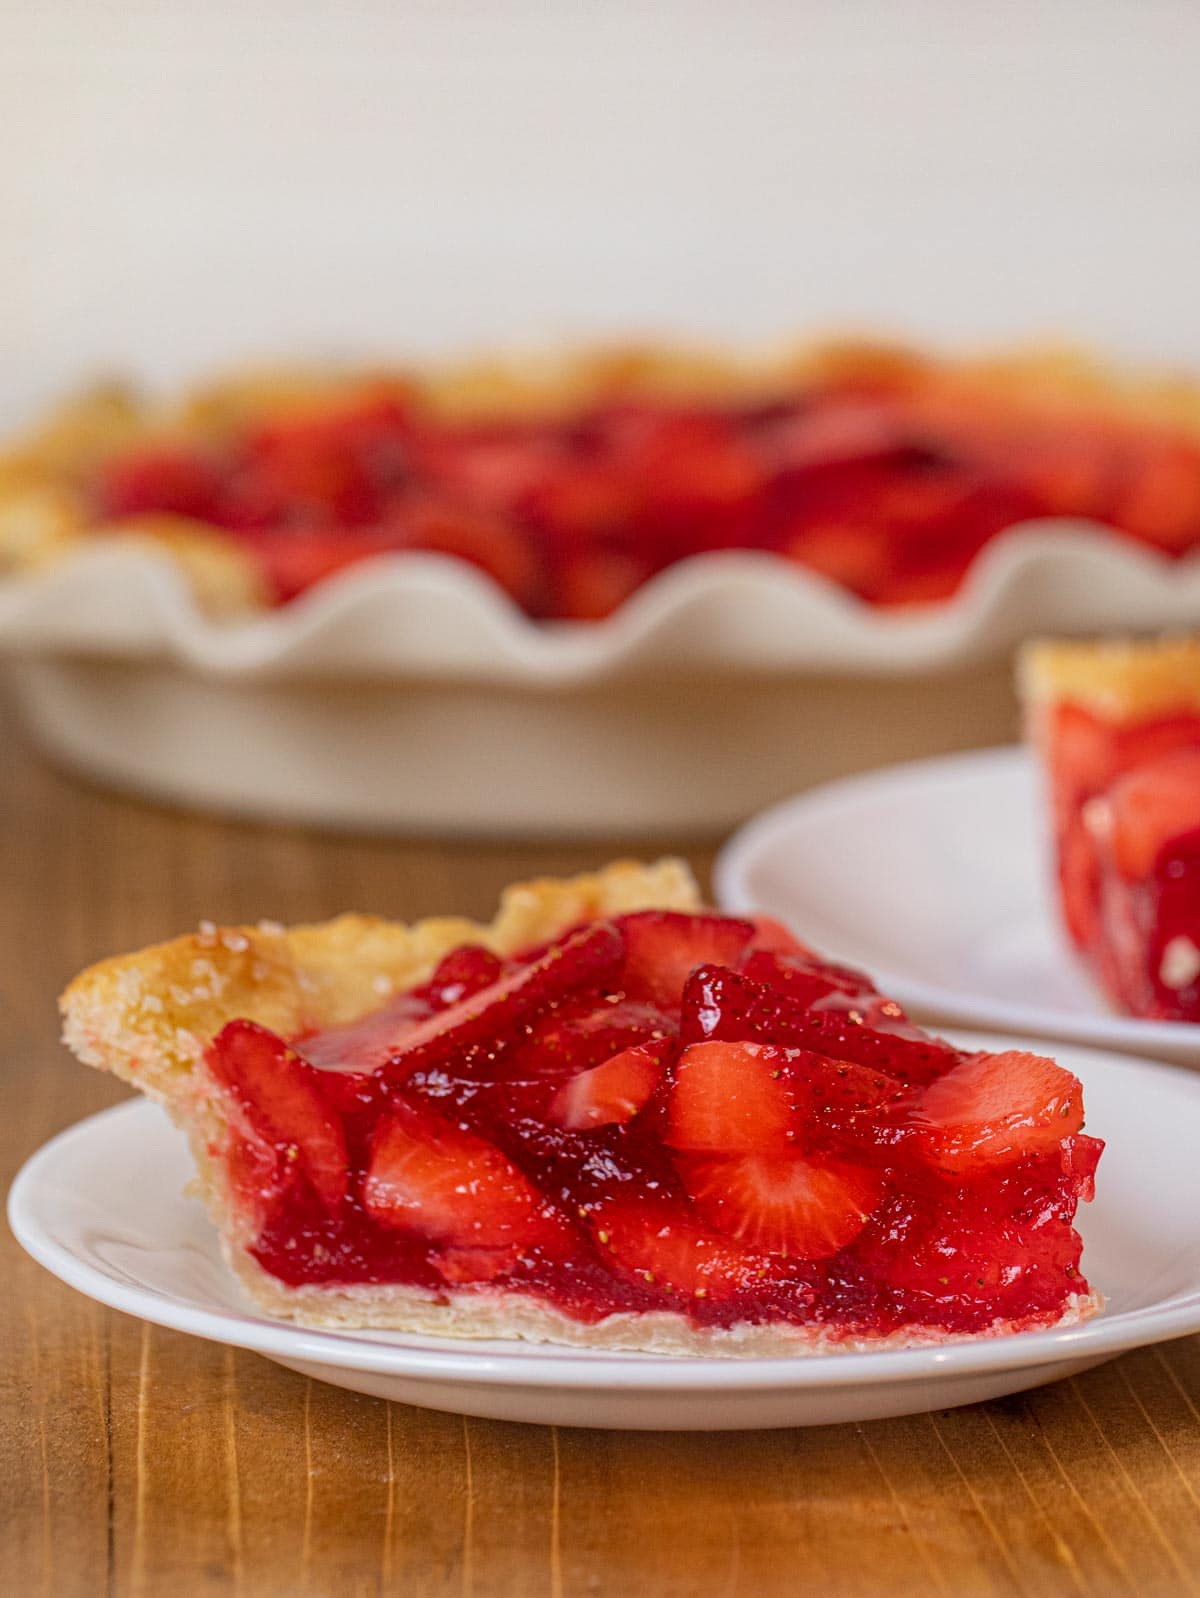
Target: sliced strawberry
x: 577, y: 1035
x: 773, y: 936
x: 730, y: 1097
x: 463, y: 972
x: 997, y: 1107
x: 493, y: 545
x: 723, y: 1004
x: 665, y: 946
x: 590, y: 584
x: 655, y: 1241
x: 1152, y: 806
x: 783, y: 1203
x: 434, y: 1178
x: 173, y: 481
x: 802, y: 979
x: 479, y: 1027
x: 278, y: 1092
x: 612, y: 1093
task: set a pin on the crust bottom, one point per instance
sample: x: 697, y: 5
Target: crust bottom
x: 508, y: 1316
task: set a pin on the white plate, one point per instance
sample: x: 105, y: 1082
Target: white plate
x: 102, y: 1206
x: 935, y: 877
x: 408, y: 692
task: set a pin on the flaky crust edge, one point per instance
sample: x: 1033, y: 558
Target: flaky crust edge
x: 44, y: 518
x: 1116, y: 678
x: 147, y: 1018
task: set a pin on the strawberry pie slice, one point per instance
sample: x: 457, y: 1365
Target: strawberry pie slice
x: 610, y: 1117
x: 1118, y: 728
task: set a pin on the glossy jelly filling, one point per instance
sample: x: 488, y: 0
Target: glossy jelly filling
x: 1127, y: 822
x: 662, y: 1112
x: 887, y: 483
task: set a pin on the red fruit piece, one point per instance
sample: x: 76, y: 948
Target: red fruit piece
x: 436, y: 1179
x: 730, y: 1096
x: 492, y: 545
x: 997, y: 1107
x: 461, y: 973
x: 577, y: 1035
x: 723, y: 1004
x: 802, y: 979
x: 757, y: 1098
x: 171, y: 481
x: 773, y: 936
x: 611, y: 1094
x: 657, y: 1243
x: 279, y: 1093
x: 1152, y: 806
x: 665, y: 946
x: 783, y: 1203
x: 591, y: 584
x: 494, y: 1017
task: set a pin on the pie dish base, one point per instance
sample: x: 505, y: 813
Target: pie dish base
x: 667, y: 755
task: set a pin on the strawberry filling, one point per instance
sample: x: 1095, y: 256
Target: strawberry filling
x: 620, y: 1122
x: 888, y: 484
x: 1126, y: 799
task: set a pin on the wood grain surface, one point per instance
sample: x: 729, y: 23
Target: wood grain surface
x: 139, y: 1461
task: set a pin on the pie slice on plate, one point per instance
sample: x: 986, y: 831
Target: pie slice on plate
x: 1118, y: 728
x: 610, y: 1117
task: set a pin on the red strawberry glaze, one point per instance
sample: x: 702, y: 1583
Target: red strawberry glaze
x: 1126, y: 806
x: 889, y: 487
x: 771, y: 1143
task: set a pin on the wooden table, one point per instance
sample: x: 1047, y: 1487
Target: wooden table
x: 134, y: 1460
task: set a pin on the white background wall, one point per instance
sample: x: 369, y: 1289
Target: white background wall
x: 185, y: 183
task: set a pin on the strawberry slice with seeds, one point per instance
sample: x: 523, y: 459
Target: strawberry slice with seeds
x: 730, y: 1097
x: 280, y: 1095
x: 783, y: 1203
x: 663, y: 947
x: 657, y: 1244
x: 477, y: 1028
x: 430, y: 1176
x: 612, y: 1093
x: 993, y: 1108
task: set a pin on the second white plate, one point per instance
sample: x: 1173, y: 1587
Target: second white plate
x: 935, y: 877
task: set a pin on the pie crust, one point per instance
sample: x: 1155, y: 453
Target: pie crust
x: 1117, y: 679
x: 44, y: 516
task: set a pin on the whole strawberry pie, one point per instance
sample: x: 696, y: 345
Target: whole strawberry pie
x: 1117, y: 726
x: 569, y: 484
x: 609, y: 1118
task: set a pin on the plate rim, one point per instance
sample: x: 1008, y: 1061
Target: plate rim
x: 539, y: 1365
x: 1103, y: 1030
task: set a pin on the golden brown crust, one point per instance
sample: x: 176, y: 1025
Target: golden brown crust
x: 1119, y: 679
x: 147, y: 1017
x: 58, y: 456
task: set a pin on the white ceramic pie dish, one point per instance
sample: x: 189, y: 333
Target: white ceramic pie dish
x: 410, y: 694
x: 936, y: 877
x: 102, y: 1206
